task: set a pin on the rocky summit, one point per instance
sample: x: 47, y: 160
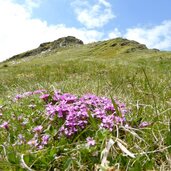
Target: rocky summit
x: 63, y: 42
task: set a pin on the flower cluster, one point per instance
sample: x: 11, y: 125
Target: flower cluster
x: 76, y: 112
x: 27, y: 94
x: 69, y: 114
x: 39, y: 141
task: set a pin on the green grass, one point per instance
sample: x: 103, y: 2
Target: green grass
x: 141, y: 79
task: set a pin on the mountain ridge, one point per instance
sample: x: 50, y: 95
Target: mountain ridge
x: 111, y: 46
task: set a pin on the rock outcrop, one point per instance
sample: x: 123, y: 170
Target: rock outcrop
x: 63, y: 42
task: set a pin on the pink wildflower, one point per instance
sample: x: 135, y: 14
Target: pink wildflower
x: 45, y: 139
x: 38, y: 129
x: 29, y: 93
x: 5, y: 125
x: 17, y: 97
x: 40, y: 147
x: 90, y: 141
x: 32, y: 142
x: 144, y: 124
x: 44, y: 97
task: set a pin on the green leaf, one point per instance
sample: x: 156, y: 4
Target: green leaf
x: 27, y: 158
x: 116, y: 107
x: 77, y: 137
x: 168, y: 137
x: 92, y: 120
x: 67, y: 163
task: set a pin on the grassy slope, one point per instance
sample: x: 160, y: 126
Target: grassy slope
x: 141, y: 79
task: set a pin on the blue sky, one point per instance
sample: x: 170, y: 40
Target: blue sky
x: 128, y: 12
x: 27, y: 23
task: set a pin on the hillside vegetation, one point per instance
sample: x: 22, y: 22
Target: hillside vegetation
x: 123, y: 71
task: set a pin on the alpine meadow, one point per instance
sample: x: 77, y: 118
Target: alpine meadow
x: 102, y: 106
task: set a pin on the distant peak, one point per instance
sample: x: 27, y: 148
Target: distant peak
x: 63, y: 42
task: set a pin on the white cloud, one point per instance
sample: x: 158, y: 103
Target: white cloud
x: 93, y: 16
x: 30, y: 4
x: 114, y: 34
x: 20, y: 32
x: 158, y: 36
